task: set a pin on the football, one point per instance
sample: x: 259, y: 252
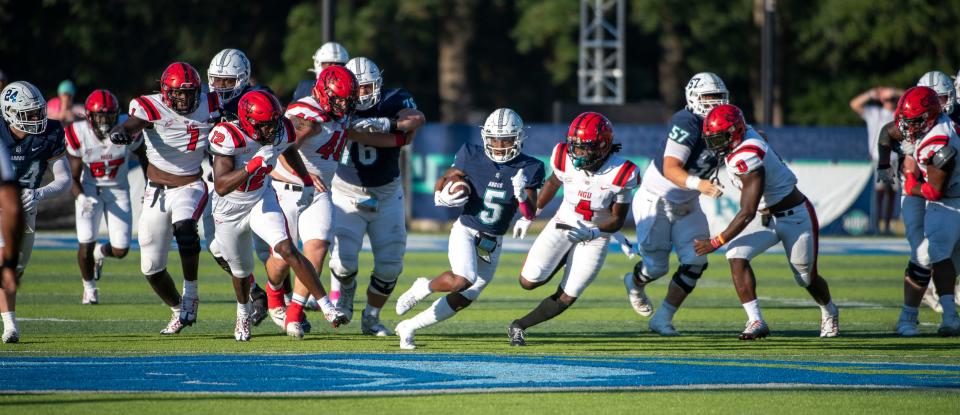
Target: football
x: 459, y: 184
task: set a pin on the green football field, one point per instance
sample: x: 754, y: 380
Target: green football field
x: 601, y: 324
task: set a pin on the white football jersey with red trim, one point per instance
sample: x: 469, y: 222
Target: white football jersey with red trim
x: 178, y: 145
x: 753, y: 153
x: 942, y: 134
x: 226, y: 139
x: 104, y: 163
x: 320, y: 152
x: 588, y: 196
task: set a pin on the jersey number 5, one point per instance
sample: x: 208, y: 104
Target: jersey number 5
x: 583, y: 208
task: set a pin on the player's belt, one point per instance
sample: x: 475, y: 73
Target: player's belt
x: 293, y: 187
x: 163, y: 186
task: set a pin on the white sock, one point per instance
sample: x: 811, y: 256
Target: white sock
x: 9, y: 320
x: 753, y: 310
x: 299, y: 299
x: 175, y: 309
x: 438, y: 311
x: 325, y: 305
x: 189, y: 288
x: 828, y: 310
x: 98, y: 251
x: 372, y: 311
x: 948, y: 304
x: 90, y: 285
x: 668, y: 309
x: 244, y: 309
x: 275, y: 287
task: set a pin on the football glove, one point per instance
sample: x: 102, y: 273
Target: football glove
x: 519, y: 182
x: 521, y: 227
x: 28, y: 199
x: 373, y: 125
x: 887, y: 175
x: 306, y: 197
x: 444, y: 198
x: 582, y: 233
x: 86, y: 204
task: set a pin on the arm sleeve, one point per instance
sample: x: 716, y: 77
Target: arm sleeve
x: 677, y: 151
x: 60, y: 183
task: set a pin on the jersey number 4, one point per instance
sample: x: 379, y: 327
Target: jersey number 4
x: 583, y: 208
x: 108, y: 169
x: 333, y: 147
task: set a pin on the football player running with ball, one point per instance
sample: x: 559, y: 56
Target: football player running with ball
x: 245, y: 152
x: 596, y: 198
x: 175, y: 124
x: 921, y: 121
x: 786, y: 216
x: 368, y: 196
x: 501, y: 182
x: 100, y: 187
x: 34, y: 143
x: 667, y: 206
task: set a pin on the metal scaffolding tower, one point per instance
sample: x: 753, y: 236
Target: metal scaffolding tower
x: 600, y: 74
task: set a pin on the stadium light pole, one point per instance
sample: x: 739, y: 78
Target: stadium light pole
x: 328, y: 16
x: 600, y: 74
x: 767, y: 56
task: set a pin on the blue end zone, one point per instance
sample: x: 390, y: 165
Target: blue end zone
x: 362, y: 374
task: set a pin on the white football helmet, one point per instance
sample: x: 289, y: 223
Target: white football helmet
x: 501, y: 125
x: 705, y: 83
x: 941, y: 83
x: 24, y: 107
x: 330, y: 52
x: 367, y: 73
x: 229, y: 64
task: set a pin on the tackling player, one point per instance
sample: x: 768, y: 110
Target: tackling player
x: 786, y: 216
x: 920, y: 121
x: 99, y: 171
x: 368, y: 196
x: 667, y: 207
x: 321, y: 122
x: 175, y: 123
x: 502, y: 181
x: 330, y: 54
x: 33, y: 143
x: 245, y: 153
x: 596, y: 198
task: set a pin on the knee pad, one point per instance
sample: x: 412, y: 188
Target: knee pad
x: 223, y: 264
x: 803, y: 274
x: 643, y: 277
x: 458, y: 301
x: 187, y: 237
x: 919, y: 275
x: 381, y: 286
x: 687, y: 276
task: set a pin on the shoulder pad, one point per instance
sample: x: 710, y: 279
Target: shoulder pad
x: 559, y: 157
x: 144, y: 108
x: 944, y: 158
x: 626, y: 175
x: 225, y: 138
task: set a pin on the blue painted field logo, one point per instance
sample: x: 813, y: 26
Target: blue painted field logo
x: 361, y: 374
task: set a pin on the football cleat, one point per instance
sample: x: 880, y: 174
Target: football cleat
x: 417, y: 292
x: 174, y: 326
x: 907, y: 326
x: 662, y: 326
x: 637, y: 296
x: 345, y: 302
x: 756, y: 329
x: 305, y: 324
x: 931, y: 299
x: 312, y: 304
x: 372, y: 326
x: 11, y: 336
x: 97, y: 262
x: 336, y: 318
x: 830, y: 326
x: 278, y: 314
x: 517, y: 335
x: 90, y: 296
x: 406, y: 336
x: 188, y: 310
x: 241, y: 331
x: 259, y: 299
x: 950, y: 326
x: 294, y: 329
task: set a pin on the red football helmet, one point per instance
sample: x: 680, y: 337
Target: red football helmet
x: 180, y: 88
x: 102, y: 111
x: 917, y: 112
x: 260, y: 114
x: 724, y: 128
x: 336, y: 91
x: 590, y: 138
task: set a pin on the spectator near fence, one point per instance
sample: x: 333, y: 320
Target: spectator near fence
x: 876, y: 107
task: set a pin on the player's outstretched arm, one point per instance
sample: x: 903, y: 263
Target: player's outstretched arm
x: 749, y: 202
x: 123, y: 133
x: 550, y: 188
x: 225, y: 178
x: 60, y: 183
x: 673, y: 170
x: 304, y: 128
x: 76, y: 170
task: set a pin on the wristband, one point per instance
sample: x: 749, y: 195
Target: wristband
x: 11, y: 263
x: 401, y: 139
x: 693, y: 182
x: 717, y: 241
x: 929, y: 192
